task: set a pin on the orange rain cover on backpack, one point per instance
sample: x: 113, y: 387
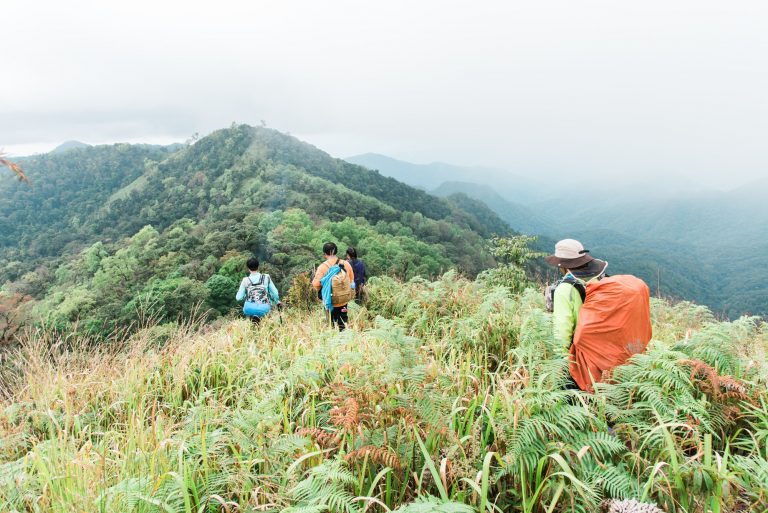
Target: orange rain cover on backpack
x: 614, y: 324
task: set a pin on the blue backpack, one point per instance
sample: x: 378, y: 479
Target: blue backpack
x: 257, y: 297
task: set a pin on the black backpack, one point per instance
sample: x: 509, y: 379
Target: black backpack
x: 549, y: 294
x: 257, y: 292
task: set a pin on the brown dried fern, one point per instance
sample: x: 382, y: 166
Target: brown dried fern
x: 324, y: 439
x: 721, y: 387
x: 405, y: 414
x: 346, y: 416
x: 379, y: 455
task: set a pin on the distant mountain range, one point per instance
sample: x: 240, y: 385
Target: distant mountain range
x: 702, y: 245
x: 514, y: 187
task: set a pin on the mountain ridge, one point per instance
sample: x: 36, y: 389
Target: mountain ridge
x: 128, y: 228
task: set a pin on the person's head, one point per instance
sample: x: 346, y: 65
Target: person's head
x: 571, y: 257
x: 351, y: 253
x: 252, y: 264
x: 569, y: 254
x: 330, y: 249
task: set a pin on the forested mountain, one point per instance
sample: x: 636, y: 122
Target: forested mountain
x: 106, y: 232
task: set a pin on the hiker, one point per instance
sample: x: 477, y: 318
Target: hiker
x: 358, y: 267
x: 601, y: 321
x: 578, y: 268
x: 258, y: 291
x: 335, y: 282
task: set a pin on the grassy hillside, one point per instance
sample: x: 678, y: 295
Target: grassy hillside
x: 444, y: 396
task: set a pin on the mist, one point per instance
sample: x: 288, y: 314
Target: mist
x: 652, y: 92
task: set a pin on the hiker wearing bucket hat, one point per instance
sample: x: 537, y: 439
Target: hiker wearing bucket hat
x: 578, y: 268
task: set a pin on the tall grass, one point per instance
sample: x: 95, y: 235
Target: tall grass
x: 443, y: 396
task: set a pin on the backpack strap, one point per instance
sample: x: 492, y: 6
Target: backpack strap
x: 260, y: 282
x: 577, y: 284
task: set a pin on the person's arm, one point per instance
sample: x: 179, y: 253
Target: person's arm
x: 362, y: 278
x: 567, y: 303
x: 272, y: 290
x: 241, y: 292
x: 351, y: 273
x: 319, y: 273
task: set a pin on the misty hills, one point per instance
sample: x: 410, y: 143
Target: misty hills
x: 514, y: 187
x: 706, y: 220
x: 523, y: 218
x: 701, y: 245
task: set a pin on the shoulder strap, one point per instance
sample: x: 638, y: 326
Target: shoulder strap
x: 262, y: 279
x: 578, y: 285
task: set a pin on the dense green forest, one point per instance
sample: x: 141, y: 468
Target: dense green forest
x: 105, y: 236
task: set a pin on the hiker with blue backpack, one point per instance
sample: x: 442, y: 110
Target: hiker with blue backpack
x: 335, y: 283
x: 259, y: 293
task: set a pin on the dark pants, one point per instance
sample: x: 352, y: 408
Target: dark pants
x: 339, y: 316
x: 360, y: 294
x: 571, y: 384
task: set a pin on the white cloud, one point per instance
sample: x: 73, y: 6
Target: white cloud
x: 652, y: 89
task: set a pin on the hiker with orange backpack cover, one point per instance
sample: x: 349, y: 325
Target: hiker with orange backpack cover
x: 601, y: 321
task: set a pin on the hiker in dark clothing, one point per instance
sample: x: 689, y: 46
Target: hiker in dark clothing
x: 359, y: 269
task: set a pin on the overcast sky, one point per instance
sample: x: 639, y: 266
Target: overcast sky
x: 652, y: 90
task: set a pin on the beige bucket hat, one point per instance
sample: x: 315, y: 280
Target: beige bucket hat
x: 570, y: 254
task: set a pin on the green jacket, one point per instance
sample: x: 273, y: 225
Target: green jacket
x: 567, y: 303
